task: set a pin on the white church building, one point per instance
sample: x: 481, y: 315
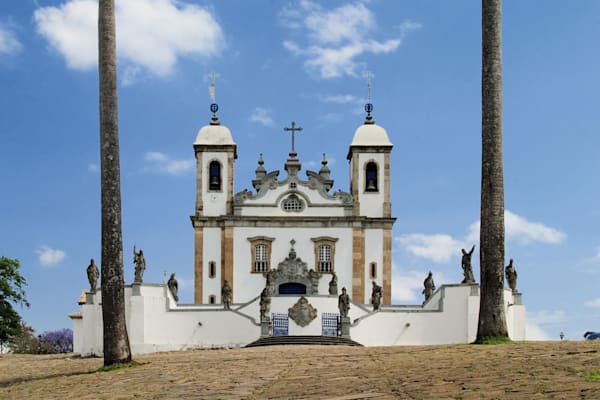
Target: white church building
x: 295, y: 237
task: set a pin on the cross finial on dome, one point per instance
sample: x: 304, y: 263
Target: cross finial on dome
x: 369, y: 105
x: 214, y: 107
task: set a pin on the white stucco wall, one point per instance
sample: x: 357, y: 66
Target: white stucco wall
x: 211, y: 252
x: 248, y: 285
x: 214, y: 201
x: 373, y: 253
x: 315, y: 204
x: 156, y: 323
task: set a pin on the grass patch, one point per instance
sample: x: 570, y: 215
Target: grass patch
x: 493, y: 340
x: 117, y: 366
x: 592, y: 376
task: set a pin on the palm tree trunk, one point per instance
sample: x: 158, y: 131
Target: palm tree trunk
x: 116, y: 341
x: 492, y: 321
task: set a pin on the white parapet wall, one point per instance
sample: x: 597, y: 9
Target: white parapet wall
x: 155, y: 322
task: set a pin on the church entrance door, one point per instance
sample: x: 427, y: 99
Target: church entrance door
x: 292, y: 288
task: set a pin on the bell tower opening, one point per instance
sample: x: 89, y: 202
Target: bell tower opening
x: 214, y: 180
x: 371, y: 184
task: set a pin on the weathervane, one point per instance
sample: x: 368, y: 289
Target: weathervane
x: 214, y: 106
x: 369, y: 105
x: 293, y: 129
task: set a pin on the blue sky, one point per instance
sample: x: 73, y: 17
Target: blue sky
x: 304, y: 61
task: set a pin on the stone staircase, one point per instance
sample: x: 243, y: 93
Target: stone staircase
x: 304, y: 340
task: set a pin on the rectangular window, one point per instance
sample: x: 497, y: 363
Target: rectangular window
x: 260, y: 258
x: 324, y: 258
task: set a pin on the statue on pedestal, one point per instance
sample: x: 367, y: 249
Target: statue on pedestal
x: 376, y: 295
x: 466, y: 266
x: 429, y: 286
x: 344, y: 303
x: 226, y: 295
x: 265, y: 304
x: 333, y: 288
x: 93, y: 273
x: 173, y: 286
x: 511, y: 276
x: 140, y: 265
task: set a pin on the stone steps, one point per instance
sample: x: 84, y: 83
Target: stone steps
x: 304, y: 340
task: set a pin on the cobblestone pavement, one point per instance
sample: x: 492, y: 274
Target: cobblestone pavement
x: 514, y: 371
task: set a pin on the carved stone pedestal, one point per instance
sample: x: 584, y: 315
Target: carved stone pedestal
x: 265, y: 327
x: 517, y: 298
x: 135, y: 289
x: 89, y: 297
x: 345, y: 327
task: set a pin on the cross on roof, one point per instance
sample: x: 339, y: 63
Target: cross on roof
x: 293, y: 129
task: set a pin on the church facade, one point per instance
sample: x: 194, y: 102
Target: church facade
x: 240, y: 237
x: 290, y: 257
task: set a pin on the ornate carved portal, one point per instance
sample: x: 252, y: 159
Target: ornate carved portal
x: 292, y: 270
x: 302, y: 313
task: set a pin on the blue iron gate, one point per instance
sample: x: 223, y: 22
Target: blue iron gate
x: 329, y: 323
x: 280, y: 324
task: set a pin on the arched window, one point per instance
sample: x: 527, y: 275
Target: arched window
x: 371, y: 184
x: 212, y: 269
x: 212, y: 299
x: 214, y: 175
x: 373, y: 270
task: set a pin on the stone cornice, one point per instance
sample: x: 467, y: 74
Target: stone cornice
x: 291, y: 222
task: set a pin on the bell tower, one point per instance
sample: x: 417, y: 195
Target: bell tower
x: 369, y: 157
x: 215, y: 153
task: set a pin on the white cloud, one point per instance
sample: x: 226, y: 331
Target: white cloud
x: 525, y: 231
x: 407, y: 286
x: 594, y: 303
x: 547, y: 317
x: 49, y: 257
x: 262, y: 116
x: 336, y: 38
x: 535, y: 332
x: 538, y: 324
x: 442, y: 247
x: 9, y: 44
x: 151, y: 34
x: 436, y: 247
x: 341, y: 99
x: 160, y: 162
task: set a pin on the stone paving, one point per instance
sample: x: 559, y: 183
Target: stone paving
x: 514, y: 371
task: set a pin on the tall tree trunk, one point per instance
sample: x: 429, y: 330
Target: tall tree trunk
x: 116, y: 341
x: 492, y: 321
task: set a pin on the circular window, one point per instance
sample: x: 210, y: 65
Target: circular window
x: 292, y: 204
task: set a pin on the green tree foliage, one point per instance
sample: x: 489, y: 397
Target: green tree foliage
x: 12, y: 293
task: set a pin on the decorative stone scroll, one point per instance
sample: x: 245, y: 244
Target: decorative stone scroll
x: 293, y: 270
x: 302, y: 313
